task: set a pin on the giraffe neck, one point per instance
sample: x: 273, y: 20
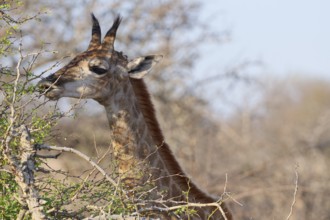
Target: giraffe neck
x: 141, y: 152
x: 135, y: 151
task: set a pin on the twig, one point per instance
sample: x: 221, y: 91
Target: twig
x: 81, y: 155
x: 90, y: 173
x: 21, y: 214
x: 187, y: 205
x: 49, y: 156
x: 227, y: 194
x: 5, y: 170
x: 294, y: 193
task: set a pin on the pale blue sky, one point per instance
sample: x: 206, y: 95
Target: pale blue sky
x: 290, y: 36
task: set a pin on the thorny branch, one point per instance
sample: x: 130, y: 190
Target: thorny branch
x: 22, y: 164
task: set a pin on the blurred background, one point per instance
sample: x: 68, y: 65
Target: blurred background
x: 243, y: 91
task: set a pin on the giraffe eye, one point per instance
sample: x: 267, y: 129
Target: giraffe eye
x: 98, y: 70
x: 99, y: 66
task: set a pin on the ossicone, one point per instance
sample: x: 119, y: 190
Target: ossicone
x: 96, y: 34
x: 110, y: 37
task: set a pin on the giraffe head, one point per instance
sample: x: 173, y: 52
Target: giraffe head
x: 98, y: 71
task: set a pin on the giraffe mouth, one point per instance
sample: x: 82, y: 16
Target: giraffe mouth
x: 50, y: 90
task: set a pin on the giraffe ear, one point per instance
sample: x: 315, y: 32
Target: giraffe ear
x: 139, y: 67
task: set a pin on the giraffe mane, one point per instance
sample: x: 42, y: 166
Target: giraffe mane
x: 148, y: 111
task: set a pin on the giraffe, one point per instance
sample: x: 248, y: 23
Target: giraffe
x: 141, y: 153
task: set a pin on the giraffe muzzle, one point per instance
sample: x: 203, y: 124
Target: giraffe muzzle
x: 49, y: 89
